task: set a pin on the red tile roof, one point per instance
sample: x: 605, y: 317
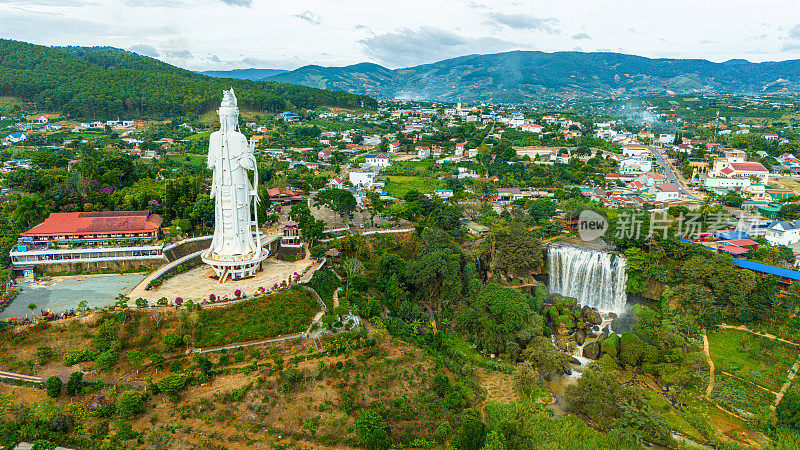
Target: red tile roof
x: 733, y: 249
x: 103, y: 222
x: 742, y: 242
x: 748, y: 167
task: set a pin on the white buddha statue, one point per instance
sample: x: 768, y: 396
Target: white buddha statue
x: 230, y: 157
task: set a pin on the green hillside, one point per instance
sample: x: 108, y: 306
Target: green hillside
x: 521, y: 76
x: 104, y: 82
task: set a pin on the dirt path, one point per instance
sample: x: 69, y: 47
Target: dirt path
x: 706, y: 351
x: 766, y: 335
x: 336, y: 297
x: 786, y: 385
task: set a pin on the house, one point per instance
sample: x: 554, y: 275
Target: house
x: 508, y: 194
x: 532, y: 128
x: 336, y: 183
x: 361, y: 177
x: 378, y: 160
x: 423, y: 152
x: 325, y: 153
x: 475, y: 229
x: 444, y: 193
x: 460, y: 149
x: 635, y: 150
x: 771, y: 137
x: 288, y: 116
x: 666, y: 192
x: 373, y: 141
x: 783, y: 233
x: 394, y: 147
x: 16, y: 138
x: 40, y: 119
x: 635, y: 165
x: 472, y: 153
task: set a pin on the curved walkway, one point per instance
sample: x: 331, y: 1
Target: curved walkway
x: 20, y: 377
x: 707, y: 352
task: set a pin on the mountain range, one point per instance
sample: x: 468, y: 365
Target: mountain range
x: 529, y: 76
x: 244, y: 74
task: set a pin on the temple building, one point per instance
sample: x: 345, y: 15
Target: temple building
x: 97, y: 227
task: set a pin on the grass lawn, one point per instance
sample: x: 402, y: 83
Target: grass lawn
x: 397, y: 186
x: 757, y: 359
x: 259, y: 318
x: 660, y: 404
x: 740, y: 396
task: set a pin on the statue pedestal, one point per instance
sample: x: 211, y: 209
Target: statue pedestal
x: 234, y: 267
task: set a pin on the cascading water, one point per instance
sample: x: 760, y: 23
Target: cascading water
x: 596, y: 279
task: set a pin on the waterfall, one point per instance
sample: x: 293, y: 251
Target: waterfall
x: 596, y: 279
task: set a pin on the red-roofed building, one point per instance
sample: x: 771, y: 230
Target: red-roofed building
x: 284, y: 196
x: 732, y: 250
x: 95, y: 226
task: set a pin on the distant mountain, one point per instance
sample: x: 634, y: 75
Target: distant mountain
x: 106, y: 82
x: 244, y: 74
x: 522, y: 76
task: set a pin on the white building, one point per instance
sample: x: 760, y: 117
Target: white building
x: 394, y: 147
x: 635, y: 150
x: 361, y: 177
x: 666, y: 192
x: 472, y: 153
x: 378, y: 160
x: 783, y: 233
x: 423, y: 152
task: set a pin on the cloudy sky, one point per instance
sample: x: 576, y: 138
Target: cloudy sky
x: 227, y: 34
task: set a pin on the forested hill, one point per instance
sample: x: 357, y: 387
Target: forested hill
x: 105, y: 83
x: 521, y: 76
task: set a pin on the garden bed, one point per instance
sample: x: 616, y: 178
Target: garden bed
x: 257, y: 318
x: 757, y: 359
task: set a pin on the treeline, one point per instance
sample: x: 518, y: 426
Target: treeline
x: 108, y: 83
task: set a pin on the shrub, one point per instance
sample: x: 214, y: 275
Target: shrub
x: 631, y: 349
x: 173, y: 341
x: 441, y: 384
x: 45, y: 354
x: 443, y: 432
x: 53, y: 386
x: 75, y: 383
x: 171, y: 384
x: 238, y: 356
x: 79, y: 356
x: 372, y: 432
x: 157, y: 360
x: 610, y: 346
x: 129, y: 404
x: 105, y: 361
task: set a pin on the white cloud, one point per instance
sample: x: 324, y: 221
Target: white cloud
x: 579, y: 36
x: 144, y: 50
x: 310, y: 17
x: 408, y: 47
x: 524, y: 22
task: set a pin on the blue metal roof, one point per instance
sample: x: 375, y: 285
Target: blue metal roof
x: 732, y: 234
x: 765, y: 268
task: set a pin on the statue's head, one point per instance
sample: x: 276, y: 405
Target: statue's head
x: 228, y: 111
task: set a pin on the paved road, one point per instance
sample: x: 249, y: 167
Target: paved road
x: 671, y: 174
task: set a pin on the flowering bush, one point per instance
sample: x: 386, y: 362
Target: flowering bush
x: 178, y: 301
x: 212, y: 297
x: 237, y: 293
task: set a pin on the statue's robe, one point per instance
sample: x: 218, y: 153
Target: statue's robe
x: 229, y: 157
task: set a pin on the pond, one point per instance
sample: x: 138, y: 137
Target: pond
x: 64, y: 293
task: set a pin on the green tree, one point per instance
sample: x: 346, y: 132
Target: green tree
x: 129, y: 404
x: 75, y: 384
x: 542, y: 209
x: 788, y: 409
x: 372, y: 432
x: 53, y: 386
x: 340, y: 200
x: 498, y: 317
x: 171, y: 384
x: 472, y: 433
